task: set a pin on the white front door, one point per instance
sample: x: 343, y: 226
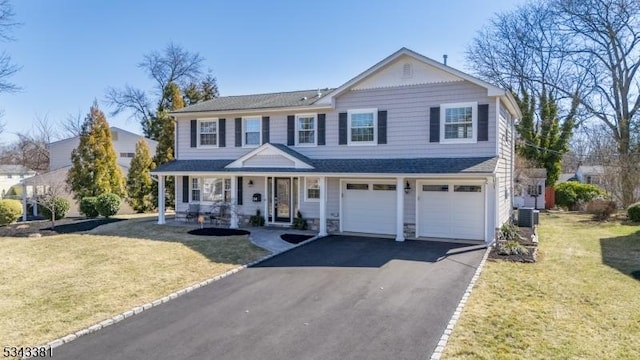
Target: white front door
x: 369, y: 206
x: 452, y: 210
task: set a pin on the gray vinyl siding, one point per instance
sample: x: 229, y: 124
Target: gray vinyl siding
x: 269, y: 161
x: 407, y: 125
x: 503, y: 170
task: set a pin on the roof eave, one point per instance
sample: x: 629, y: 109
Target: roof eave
x: 252, y: 111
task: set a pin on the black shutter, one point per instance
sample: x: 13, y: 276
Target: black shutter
x: 238, y: 132
x: 321, y: 129
x: 194, y: 133
x: 222, y: 132
x: 265, y: 129
x: 382, y: 127
x: 291, y: 128
x: 185, y: 189
x: 434, y: 124
x: 483, y: 122
x: 239, y: 194
x: 342, y: 129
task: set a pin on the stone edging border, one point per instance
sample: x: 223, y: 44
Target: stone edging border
x: 437, y: 353
x: 138, y: 309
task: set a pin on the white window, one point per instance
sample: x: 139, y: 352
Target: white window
x: 195, y: 189
x: 251, y: 128
x: 363, y: 126
x: 311, y: 189
x: 216, y: 189
x: 306, y: 133
x: 458, y: 123
x: 208, y: 132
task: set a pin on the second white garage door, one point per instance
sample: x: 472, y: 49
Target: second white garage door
x: 369, y: 207
x: 451, y: 210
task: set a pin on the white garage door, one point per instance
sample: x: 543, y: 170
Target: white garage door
x: 451, y: 210
x: 369, y: 207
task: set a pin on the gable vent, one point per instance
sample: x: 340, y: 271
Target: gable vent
x: 407, y: 70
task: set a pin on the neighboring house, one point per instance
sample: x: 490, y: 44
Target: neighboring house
x: 591, y: 174
x: 10, y: 176
x: 530, y: 185
x: 564, y: 177
x: 124, y: 144
x: 410, y: 148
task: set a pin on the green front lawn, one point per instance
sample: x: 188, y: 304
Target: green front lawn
x: 578, y: 302
x: 56, y: 285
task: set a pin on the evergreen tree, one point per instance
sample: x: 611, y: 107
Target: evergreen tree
x: 94, y: 168
x: 139, y: 182
x: 544, y: 140
x: 172, y: 100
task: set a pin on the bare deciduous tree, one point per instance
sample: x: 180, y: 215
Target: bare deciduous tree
x: 586, y: 47
x: 7, y: 68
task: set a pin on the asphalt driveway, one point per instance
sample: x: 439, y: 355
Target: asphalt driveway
x: 340, y: 297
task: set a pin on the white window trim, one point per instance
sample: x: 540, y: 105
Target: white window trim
x: 217, y: 132
x: 474, y: 122
x: 201, y: 189
x: 191, y: 189
x: 375, y: 127
x: 244, y: 131
x: 306, y: 198
x: 315, y: 130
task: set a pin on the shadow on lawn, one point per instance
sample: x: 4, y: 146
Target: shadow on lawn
x: 622, y: 253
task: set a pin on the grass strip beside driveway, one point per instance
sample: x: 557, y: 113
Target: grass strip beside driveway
x: 53, y: 286
x: 578, y: 301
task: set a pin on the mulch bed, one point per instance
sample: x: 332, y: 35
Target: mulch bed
x: 218, y: 232
x: 43, y: 227
x: 526, y: 240
x: 295, y: 238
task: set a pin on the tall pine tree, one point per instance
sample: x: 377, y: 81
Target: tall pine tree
x: 544, y: 139
x: 94, y: 168
x: 139, y: 182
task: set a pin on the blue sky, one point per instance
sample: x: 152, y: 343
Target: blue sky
x: 71, y: 51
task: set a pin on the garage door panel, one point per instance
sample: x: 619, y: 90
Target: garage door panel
x: 367, y: 210
x: 453, y: 210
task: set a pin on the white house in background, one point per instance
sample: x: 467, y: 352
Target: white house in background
x: 11, y: 175
x: 124, y: 144
x: 410, y: 148
x: 530, y: 187
x: 591, y: 174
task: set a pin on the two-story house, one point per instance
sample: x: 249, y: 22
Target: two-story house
x: 410, y: 148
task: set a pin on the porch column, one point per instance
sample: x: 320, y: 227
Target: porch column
x: 161, y: 199
x: 35, y: 208
x: 233, y: 223
x: 322, y: 230
x: 400, y: 209
x: 24, y: 202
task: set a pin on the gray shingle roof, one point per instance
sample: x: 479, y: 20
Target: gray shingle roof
x: 257, y: 101
x: 480, y: 165
x: 15, y: 170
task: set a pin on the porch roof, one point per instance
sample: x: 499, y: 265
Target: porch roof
x: 466, y: 165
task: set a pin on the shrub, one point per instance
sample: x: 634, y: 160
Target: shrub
x: 633, y: 211
x: 572, y: 194
x: 88, y: 206
x: 257, y: 219
x: 509, y: 231
x: 512, y: 247
x: 108, y: 204
x: 10, y: 210
x: 299, y: 222
x: 59, y: 204
x: 601, y: 209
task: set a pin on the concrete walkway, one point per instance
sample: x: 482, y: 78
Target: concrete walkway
x: 266, y: 237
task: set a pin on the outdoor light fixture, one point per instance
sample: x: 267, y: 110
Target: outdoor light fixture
x: 250, y: 183
x: 407, y: 188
